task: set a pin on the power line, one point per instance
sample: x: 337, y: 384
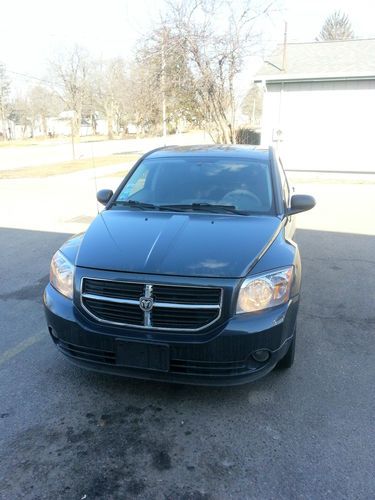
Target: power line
x: 32, y: 77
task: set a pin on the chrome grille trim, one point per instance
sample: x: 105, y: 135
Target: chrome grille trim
x: 156, y: 304
x: 110, y: 299
x: 148, y: 287
x: 147, y: 314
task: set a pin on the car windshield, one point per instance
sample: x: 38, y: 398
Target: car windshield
x: 206, y: 184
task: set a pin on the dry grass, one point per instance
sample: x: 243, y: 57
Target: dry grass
x: 37, y: 141
x: 20, y: 143
x: 68, y: 167
x: 119, y: 173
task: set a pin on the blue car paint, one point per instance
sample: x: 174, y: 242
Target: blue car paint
x: 196, y: 249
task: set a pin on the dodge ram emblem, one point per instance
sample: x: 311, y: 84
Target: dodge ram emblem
x: 146, y: 303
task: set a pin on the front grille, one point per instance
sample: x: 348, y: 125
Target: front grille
x: 186, y: 295
x: 112, y: 311
x: 113, y: 288
x: 171, y: 317
x: 187, y: 308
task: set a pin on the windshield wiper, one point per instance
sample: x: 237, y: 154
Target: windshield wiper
x: 136, y: 204
x: 203, y: 207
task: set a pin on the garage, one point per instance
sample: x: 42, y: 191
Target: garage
x: 319, y: 110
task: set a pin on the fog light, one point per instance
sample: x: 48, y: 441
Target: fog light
x: 262, y: 355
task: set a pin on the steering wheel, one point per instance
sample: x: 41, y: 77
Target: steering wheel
x: 242, y: 198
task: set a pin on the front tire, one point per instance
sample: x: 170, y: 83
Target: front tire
x: 288, y: 360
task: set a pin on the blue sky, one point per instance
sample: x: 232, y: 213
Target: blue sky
x: 31, y: 31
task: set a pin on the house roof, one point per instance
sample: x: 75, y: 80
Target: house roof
x: 349, y: 59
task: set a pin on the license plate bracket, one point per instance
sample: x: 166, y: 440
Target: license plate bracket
x: 142, y: 355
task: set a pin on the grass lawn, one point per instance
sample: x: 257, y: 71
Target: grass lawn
x: 37, y: 141
x: 119, y: 173
x: 20, y: 143
x: 68, y: 167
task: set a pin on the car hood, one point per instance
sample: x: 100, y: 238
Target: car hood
x: 183, y: 244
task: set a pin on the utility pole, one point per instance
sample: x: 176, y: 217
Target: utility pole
x: 4, y: 87
x: 253, y: 113
x: 72, y: 130
x: 284, y: 47
x: 164, y: 106
x: 72, y: 137
x: 2, y: 117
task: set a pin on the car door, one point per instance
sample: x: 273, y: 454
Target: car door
x: 290, y: 226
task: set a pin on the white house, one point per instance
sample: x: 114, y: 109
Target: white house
x: 319, y: 104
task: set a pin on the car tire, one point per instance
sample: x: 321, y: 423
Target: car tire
x: 288, y: 360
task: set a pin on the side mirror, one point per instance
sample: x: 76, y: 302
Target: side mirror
x: 104, y: 195
x: 301, y: 203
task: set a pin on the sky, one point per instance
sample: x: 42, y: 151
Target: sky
x: 32, y: 31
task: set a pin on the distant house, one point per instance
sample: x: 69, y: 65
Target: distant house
x: 320, y: 107
x: 14, y: 128
x: 62, y: 125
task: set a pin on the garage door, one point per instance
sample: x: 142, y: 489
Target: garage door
x: 323, y: 125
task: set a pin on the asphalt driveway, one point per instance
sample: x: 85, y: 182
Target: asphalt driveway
x: 307, y: 433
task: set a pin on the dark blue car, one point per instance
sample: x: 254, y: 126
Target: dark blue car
x: 190, y: 274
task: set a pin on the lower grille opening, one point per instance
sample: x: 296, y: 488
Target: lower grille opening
x: 208, y: 368
x: 87, y: 353
x: 177, y: 366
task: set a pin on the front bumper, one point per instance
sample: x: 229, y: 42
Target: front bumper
x: 222, y: 357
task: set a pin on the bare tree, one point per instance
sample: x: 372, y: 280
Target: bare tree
x: 252, y: 104
x: 109, y: 84
x: 218, y: 35
x: 162, y: 73
x: 72, y: 74
x: 177, y: 81
x: 42, y: 103
x: 4, y: 100
x: 337, y: 26
x: 143, y: 108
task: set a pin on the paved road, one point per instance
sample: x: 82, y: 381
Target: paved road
x: 47, y: 153
x: 308, y: 433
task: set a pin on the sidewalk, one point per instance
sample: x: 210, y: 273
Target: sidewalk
x: 67, y: 203
x: 60, y: 203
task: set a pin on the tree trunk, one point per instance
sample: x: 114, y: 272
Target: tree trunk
x: 44, y: 125
x: 110, y: 113
x: 110, y: 127
x: 76, y: 121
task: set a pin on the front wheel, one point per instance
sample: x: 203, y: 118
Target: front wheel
x: 288, y: 360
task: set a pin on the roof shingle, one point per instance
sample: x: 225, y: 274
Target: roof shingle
x: 321, y: 60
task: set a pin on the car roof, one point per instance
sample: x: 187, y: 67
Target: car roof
x: 212, y: 150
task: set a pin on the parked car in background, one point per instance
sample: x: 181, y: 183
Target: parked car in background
x: 190, y: 274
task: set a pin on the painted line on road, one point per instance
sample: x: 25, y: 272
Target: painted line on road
x: 22, y: 346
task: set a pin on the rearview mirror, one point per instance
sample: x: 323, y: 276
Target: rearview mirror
x: 104, y: 195
x: 301, y: 203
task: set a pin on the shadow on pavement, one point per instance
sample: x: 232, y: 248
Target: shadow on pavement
x: 304, y: 433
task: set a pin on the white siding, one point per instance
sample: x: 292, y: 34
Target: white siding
x: 326, y: 125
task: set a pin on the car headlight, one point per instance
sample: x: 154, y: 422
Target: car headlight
x: 265, y: 290
x: 62, y: 274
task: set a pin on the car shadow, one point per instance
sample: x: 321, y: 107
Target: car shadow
x: 70, y: 433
